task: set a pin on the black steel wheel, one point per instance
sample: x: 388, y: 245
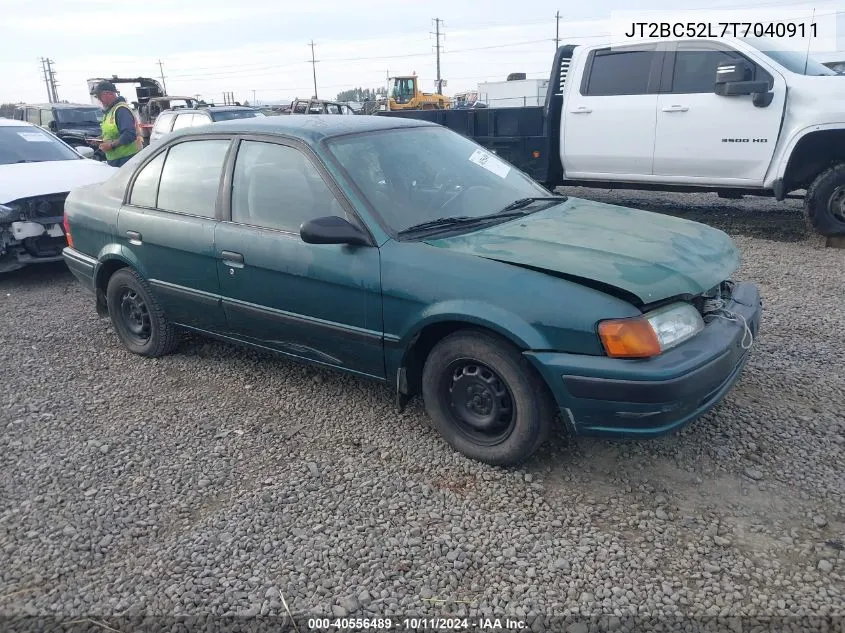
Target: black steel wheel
x: 480, y: 404
x: 136, y: 316
x: 824, y: 204
x: 485, y: 399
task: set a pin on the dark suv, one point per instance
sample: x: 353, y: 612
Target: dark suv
x: 71, y: 122
x: 178, y: 118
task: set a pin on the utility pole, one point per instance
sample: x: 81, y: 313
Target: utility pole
x: 52, y: 80
x: 437, y: 22
x: 163, y: 85
x: 557, y: 30
x: 253, y: 98
x: 314, y: 68
x: 47, y: 80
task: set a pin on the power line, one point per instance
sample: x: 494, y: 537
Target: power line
x: 381, y: 57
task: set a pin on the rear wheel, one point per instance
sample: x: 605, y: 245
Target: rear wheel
x: 485, y: 399
x: 137, y: 318
x: 824, y: 204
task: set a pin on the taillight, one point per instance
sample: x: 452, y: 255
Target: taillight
x: 67, y: 231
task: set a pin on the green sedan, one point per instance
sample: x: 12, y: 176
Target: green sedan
x: 403, y: 252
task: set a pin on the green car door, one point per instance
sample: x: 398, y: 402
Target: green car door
x: 319, y: 302
x: 167, y: 227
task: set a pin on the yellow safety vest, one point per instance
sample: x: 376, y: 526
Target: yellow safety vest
x: 110, y: 132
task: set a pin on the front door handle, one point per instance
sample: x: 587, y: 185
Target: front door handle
x: 676, y: 108
x: 236, y: 260
x: 134, y: 237
x: 581, y: 110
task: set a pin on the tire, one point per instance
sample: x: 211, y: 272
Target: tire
x: 824, y: 204
x: 137, y: 317
x: 486, y: 365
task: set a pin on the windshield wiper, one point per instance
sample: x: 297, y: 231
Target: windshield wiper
x: 512, y: 210
x: 455, y: 220
x: 27, y: 160
x: 524, y: 202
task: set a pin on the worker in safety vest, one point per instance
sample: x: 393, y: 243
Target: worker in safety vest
x: 121, y: 129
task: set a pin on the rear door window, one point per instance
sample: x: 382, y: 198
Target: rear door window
x: 620, y: 72
x: 183, y: 120
x: 191, y: 177
x: 164, y: 121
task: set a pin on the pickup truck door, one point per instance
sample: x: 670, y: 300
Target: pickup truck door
x: 608, y: 121
x: 702, y: 136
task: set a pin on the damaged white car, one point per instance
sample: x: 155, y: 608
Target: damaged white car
x: 37, y: 171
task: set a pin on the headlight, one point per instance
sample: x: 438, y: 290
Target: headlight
x: 652, y: 333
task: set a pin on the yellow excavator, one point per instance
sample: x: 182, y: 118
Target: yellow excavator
x: 403, y: 93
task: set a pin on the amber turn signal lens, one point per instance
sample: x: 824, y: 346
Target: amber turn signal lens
x: 535, y: 154
x: 629, y: 338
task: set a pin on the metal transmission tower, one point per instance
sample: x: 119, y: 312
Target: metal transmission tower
x: 46, y: 80
x: 53, y: 83
x: 437, y: 46
x: 313, y: 63
x: 49, y: 79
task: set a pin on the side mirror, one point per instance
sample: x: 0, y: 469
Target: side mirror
x: 332, y: 229
x: 52, y: 125
x: 85, y: 151
x: 734, y: 79
x: 732, y: 72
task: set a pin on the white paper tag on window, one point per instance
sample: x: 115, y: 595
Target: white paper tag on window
x: 34, y: 137
x: 490, y: 163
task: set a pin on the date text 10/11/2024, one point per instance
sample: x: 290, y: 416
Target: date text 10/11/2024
x: 416, y: 624
x: 721, y: 29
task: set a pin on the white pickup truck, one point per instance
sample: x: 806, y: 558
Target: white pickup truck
x: 732, y: 116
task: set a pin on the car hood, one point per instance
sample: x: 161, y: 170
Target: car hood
x: 24, y: 180
x: 81, y: 130
x: 649, y: 255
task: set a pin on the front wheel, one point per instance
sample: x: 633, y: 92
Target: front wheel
x: 824, y: 204
x: 136, y: 316
x: 485, y: 399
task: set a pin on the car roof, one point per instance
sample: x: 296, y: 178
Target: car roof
x: 15, y: 122
x: 57, y: 105
x: 311, y: 128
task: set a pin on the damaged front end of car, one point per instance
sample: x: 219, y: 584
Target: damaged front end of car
x: 31, y: 231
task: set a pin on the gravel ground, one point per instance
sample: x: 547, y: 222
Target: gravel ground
x: 222, y: 481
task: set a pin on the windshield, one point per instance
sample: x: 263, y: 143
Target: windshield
x: 81, y: 116
x: 791, y: 60
x: 402, y: 89
x: 236, y: 114
x: 417, y: 175
x: 30, y: 144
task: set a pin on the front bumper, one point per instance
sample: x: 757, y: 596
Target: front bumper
x: 608, y: 397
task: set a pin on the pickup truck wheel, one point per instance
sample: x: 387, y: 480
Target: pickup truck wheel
x: 137, y: 318
x: 824, y: 204
x: 485, y: 399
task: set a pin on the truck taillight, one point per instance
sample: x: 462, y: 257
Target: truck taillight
x: 67, y: 231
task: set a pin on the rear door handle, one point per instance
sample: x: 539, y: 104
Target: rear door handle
x: 134, y: 237
x: 676, y: 108
x: 581, y: 110
x: 236, y: 260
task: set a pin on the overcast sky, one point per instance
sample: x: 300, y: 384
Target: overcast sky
x: 210, y: 46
